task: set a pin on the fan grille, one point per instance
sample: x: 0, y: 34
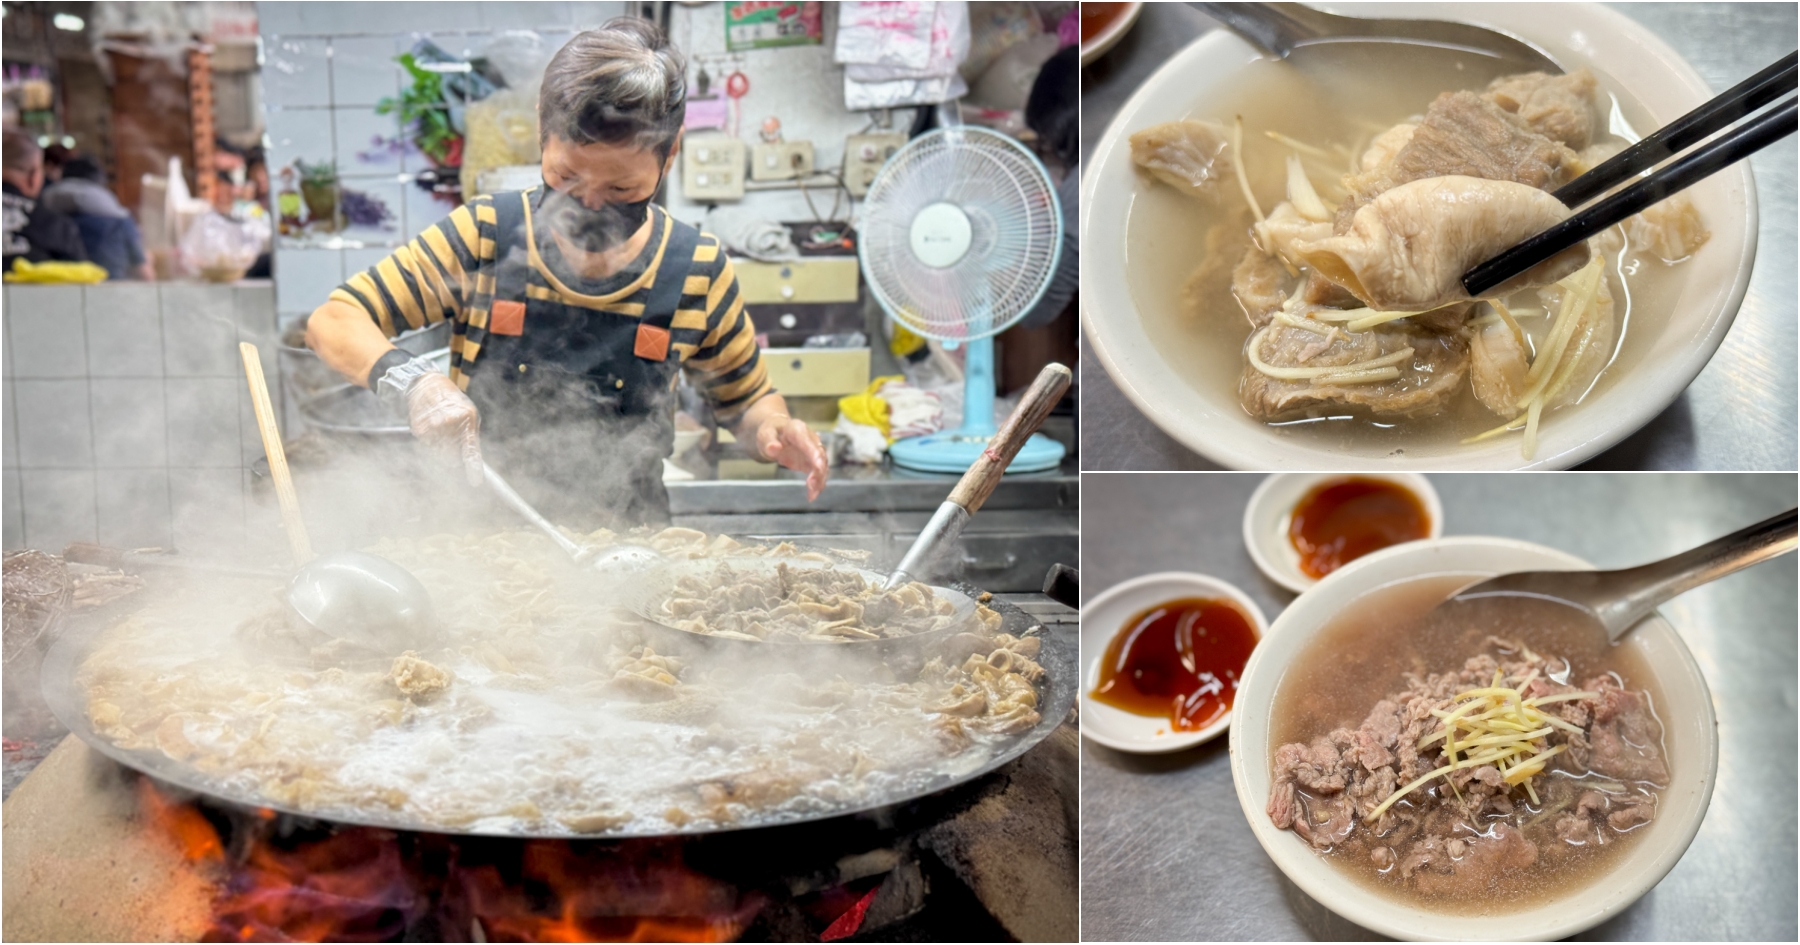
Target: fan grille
x: 1015, y: 240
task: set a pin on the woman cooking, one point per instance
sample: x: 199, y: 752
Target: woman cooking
x: 572, y: 305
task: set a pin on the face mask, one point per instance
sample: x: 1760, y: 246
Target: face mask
x: 594, y: 231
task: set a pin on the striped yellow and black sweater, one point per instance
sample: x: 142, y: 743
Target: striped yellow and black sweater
x: 447, y: 272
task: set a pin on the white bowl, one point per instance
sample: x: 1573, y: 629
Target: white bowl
x: 1271, y: 507
x: 1104, y: 616
x: 1655, y: 87
x: 1109, y: 37
x: 1689, y: 733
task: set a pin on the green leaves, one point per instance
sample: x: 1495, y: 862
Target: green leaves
x: 422, y: 108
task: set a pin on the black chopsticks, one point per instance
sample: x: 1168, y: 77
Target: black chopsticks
x: 1727, y: 149
x: 1742, y: 99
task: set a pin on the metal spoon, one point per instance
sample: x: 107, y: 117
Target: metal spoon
x: 984, y: 474
x: 1615, y: 601
x: 617, y: 558
x: 1280, y: 28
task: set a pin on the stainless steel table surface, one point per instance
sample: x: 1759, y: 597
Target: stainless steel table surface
x: 1738, y: 414
x: 1166, y: 853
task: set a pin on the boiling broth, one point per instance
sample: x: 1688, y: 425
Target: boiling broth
x: 1326, y: 96
x: 1365, y: 653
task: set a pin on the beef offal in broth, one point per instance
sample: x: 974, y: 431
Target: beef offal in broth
x: 1335, y: 100
x: 1351, y: 711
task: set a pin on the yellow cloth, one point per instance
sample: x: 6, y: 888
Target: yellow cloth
x: 24, y: 270
x: 867, y: 409
x: 904, y: 341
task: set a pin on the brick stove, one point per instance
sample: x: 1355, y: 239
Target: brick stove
x: 96, y: 852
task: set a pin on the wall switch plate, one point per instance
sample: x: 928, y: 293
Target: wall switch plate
x: 712, y: 168
x: 783, y: 160
x: 864, y: 155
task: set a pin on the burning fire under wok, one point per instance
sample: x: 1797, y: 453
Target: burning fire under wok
x: 281, y: 879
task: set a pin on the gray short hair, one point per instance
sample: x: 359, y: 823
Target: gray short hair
x: 620, y: 84
x: 21, y: 152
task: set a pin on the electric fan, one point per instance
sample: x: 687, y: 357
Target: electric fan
x: 960, y: 235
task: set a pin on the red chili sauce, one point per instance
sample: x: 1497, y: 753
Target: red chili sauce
x: 1096, y: 17
x: 1341, y: 520
x: 1180, y: 659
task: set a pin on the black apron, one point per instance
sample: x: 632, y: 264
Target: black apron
x: 577, y: 409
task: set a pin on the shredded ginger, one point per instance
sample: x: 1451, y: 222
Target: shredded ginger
x: 1495, y: 726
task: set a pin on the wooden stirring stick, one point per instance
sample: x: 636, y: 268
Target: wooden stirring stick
x: 278, y: 467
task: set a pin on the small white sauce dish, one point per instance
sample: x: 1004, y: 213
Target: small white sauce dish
x: 1271, y: 508
x: 1104, y: 617
x: 1685, y: 708
x: 1095, y: 47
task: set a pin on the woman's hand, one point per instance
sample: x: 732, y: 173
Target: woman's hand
x: 791, y: 443
x: 444, y: 417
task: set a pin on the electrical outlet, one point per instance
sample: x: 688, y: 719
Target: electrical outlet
x: 783, y: 160
x: 863, y: 157
x: 712, y: 168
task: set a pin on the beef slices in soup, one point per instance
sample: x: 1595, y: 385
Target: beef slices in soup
x: 1552, y: 765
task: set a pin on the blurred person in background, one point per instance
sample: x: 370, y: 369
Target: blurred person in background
x: 232, y: 175
x: 55, y: 156
x: 574, y: 305
x: 108, y: 232
x: 32, y: 232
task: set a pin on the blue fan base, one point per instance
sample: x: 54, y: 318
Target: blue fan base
x: 953, y: 452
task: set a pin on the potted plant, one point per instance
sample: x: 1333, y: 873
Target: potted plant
x: 319, y: 188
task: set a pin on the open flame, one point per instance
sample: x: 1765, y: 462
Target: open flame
x: 364, y: 884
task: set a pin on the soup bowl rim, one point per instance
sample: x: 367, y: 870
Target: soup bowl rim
x: 1639, y: 870
x: 1215, y: 427
x: 1134, y: 595
x: 1267, y: 513
x: 1109, y: 37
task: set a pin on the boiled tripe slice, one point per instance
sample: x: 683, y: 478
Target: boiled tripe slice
x: 1407, y: 250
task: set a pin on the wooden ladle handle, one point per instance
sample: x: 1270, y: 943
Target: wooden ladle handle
x: 990, y: 467
x: 278, y: 467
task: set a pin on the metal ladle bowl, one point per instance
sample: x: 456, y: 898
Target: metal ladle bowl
x: 361, y: 597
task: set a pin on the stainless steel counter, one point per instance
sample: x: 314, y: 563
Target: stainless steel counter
x: 1738, y: 414
x: 1165, y: 851
x: 1029, y: 523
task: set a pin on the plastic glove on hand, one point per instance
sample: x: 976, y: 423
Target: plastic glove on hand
x: 445, y: 417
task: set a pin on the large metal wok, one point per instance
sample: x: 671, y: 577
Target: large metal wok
x: 81, y: 635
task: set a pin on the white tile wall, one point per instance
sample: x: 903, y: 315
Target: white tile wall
x: 132, y: 508
x: 255, y: 307
x: 297, y: 70
x: 363, y: 70
x: 207, y: 510
x: 299, y: 134
x: 304, y: 277
x: 124, y: 329
x: 12, y: 511
x: 53, y: 427
x: 203, y: 421
x: 9, y: 450
x: 45, y: 332
x: 87, y: 457
x: 496, y: 15
x: 199, y: 331
x: 130, y: 427
x: 58, y: 506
